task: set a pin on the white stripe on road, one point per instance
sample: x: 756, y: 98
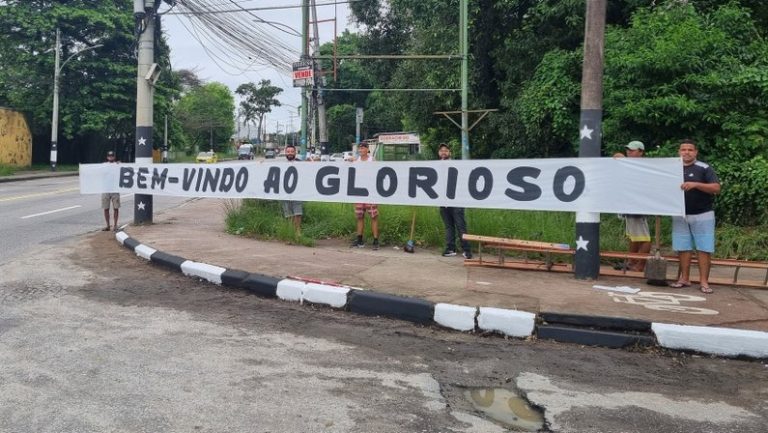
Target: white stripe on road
x: 50, y: 212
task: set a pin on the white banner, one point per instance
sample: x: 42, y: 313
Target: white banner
x: 648, y: 186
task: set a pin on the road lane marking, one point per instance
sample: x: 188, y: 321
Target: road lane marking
x: 50, y: 212
x: 39, y: 194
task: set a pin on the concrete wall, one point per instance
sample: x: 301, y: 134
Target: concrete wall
x: 15, y: 139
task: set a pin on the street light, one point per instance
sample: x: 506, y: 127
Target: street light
x: 55, y: 118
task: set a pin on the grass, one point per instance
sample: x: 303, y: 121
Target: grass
x: 263, y: 219
x: 8, y: 170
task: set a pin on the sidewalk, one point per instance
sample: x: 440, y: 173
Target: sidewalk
x: 195, y: 232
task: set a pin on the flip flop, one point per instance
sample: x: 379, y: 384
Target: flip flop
x: 679, y: 285
x: 706, y: 289
x: 105, y: 229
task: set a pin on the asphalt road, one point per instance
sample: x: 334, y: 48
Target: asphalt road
x: 50, y: 210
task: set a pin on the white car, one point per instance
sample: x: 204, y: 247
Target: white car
x: 348, y: 156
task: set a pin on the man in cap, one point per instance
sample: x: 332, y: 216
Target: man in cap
x: 112, y: 198
x: 636, y: 225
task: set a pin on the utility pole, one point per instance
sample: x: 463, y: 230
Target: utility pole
x: 55, y: 119
x: 464, y: 47
x: 145, y: 13
x: 321, y: 125
x: 304, y: 56
x: 586, y: 261
x: 57, y: 67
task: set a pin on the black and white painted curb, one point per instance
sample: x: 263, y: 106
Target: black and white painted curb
x: 586, y: 330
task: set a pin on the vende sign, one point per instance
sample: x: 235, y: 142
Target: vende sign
x: 303, y: 74
x: 648, y: 186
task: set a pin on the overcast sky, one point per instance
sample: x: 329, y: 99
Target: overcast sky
x: 188, y: 53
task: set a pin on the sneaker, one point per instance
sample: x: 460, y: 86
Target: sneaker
x: 467, y: 254
x: 449, y: 253
x: 357, y: 244
x: 375, y: 244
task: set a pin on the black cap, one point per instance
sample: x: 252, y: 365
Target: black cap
x: 363, y: 144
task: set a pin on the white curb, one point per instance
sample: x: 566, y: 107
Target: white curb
x: 290, y: 290
x: 329, y: 295
x: 510, y: 322
x: 458, y: 317
x: 203, y: 270
x: 715, y: 341
x: 121, y: 237
x: 144, y: 251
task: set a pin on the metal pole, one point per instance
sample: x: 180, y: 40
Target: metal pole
x: 142, y: 212
x: 321, y: 125
x: 464, y: 45
x: 304, y: 55
x: 586, y: 261
x: 55, y: 116
x: 165, y: 141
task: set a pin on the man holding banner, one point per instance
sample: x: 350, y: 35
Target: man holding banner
x: 362, y: 208
x: 453, y: 218
x: 292, y: 208
x: 697, y: 228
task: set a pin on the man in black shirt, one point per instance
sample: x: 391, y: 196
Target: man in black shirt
x: 697, y: 228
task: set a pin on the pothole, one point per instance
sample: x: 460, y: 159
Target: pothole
x: 506, y: 408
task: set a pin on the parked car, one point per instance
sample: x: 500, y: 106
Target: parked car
x: 336, y: 157
x: 348, y: 156
x: 207, y: 157
x: 269, y: 153
x: 245, y: 151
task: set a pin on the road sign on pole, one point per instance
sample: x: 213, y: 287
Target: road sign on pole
x: 303, y: 73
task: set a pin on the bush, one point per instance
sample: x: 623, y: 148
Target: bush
x: 744, y: 198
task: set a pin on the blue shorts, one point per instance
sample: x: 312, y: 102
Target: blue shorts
x: 694, y: 232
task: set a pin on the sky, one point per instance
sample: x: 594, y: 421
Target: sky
x: 187, y: 52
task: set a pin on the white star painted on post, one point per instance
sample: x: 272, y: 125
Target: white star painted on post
x: 582, y: 243
x: 585, y: 132
x: 141, y: 205
x: 142, y: 141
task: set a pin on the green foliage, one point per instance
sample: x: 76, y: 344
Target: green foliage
x: 207, y: 114
x: 744, y: 197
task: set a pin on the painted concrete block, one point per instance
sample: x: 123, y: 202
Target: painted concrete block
x: 291, y: 290
x: 203, y: 270
x: 509, y: 322
x: 334, y: 296
x: 121, y: 237
x: 144, y: 251
x: 715, y: 341
x: 458, y: 317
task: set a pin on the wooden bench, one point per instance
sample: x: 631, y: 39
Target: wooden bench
x: 548, y: 249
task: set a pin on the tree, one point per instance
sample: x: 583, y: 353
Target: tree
x: 98, y: 87
x: 207, y: 115
x: 258, y: 101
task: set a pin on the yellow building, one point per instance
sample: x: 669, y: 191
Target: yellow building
x: 15, y: 139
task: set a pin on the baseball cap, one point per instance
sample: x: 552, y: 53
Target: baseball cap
x: 363, y: 144
x: 110, y: 153
x: 635, y: 145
